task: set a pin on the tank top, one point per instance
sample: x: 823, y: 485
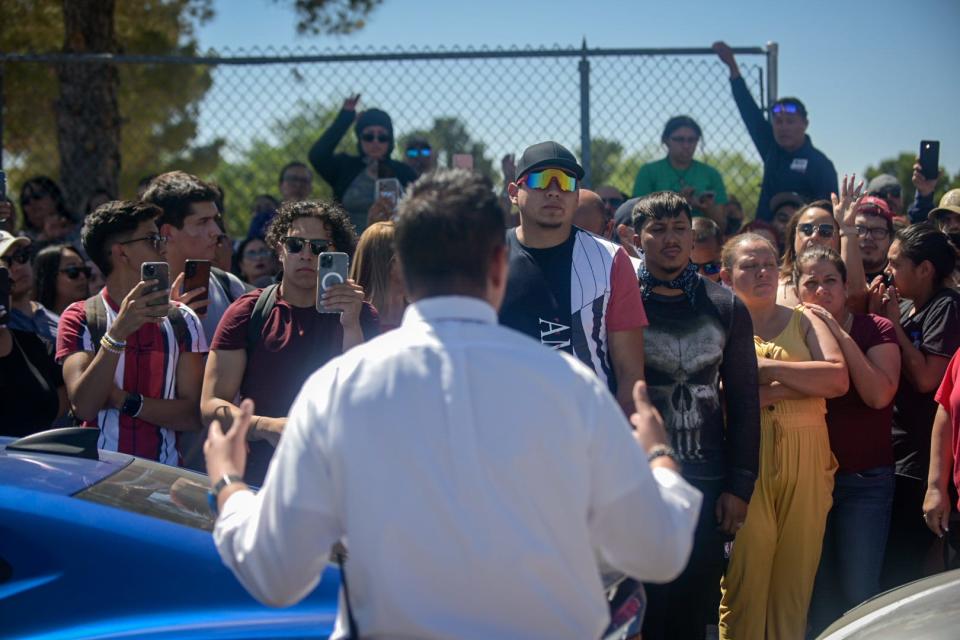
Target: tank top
x: 790, y: 346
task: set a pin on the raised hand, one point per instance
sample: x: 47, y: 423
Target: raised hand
x: 924, y: 186
x: 135, y: 310
x: 845, y: 207
x: 725, y: 53
x: 350, y: 104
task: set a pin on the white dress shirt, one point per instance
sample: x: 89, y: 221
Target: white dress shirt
x: 474, y: 475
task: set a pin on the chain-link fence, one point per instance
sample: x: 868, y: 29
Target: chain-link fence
x: 238, y: 118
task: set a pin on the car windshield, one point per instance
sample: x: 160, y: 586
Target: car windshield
x: 156, y: 490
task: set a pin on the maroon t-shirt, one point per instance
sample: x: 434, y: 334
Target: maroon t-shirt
x: 860, y: 436
x: 294, y: 342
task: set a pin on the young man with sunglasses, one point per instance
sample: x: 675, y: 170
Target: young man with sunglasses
x: 790, y: 161
x: 140, y: 382
x: 418, y: 155
x: 270, y: 364
x: 569, y: 289
x: 699, y: 338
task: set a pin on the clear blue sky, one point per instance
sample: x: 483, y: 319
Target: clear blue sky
x: 877, y: 77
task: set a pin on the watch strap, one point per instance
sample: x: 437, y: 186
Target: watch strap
x: 213, y: 494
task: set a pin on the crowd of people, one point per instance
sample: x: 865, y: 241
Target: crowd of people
x: 803, y: 366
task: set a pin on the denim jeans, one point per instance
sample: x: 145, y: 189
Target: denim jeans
x: 853, y: 544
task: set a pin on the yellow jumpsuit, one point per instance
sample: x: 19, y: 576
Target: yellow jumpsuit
x: 766, y: 589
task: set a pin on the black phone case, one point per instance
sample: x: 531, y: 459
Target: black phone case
x: 930, y: 159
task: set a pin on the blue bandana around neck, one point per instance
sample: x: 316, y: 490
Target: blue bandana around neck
x: 687, y: 282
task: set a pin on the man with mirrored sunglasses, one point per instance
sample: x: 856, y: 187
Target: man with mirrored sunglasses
x: 790, y: 161
x: 267, y: 354
x: 418, y: 155
x: 569, y: 289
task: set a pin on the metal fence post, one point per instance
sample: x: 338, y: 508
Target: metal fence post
x: 773, y: 50
x: 585, y: 114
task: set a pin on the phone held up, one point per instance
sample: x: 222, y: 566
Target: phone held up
x: 196, y: 274
x: 333, y: 269
x: 388, y: 188
x: 4, y: 297
x: 930, y: 159
x: 159, y: 271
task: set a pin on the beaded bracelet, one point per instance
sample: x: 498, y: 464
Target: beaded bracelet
x: 117, y: 344
x: 109, y: 346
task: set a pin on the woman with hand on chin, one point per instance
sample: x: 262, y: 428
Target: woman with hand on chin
x: 859, y: 426
x: 766, y: 589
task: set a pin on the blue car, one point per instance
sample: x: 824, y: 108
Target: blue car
x: 96, y: 544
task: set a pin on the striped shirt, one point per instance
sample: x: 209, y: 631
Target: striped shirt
x: 148, y: 367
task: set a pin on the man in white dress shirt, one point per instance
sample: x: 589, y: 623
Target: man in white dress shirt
x: 475, y: 475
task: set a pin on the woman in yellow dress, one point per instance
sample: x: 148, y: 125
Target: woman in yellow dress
x: 766, y: 589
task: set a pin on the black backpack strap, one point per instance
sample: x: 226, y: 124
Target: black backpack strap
x: 96, y: 316
x: 224, y: 279
x: 258, y: 317
x: 180, y: 330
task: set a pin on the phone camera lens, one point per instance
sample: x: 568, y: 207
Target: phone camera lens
x: 327, y: 261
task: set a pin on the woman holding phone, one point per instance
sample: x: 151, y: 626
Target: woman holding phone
x: 354, y: 177
x: 767, y: 586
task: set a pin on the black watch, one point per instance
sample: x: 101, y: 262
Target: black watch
x: 132, y: 405
x: 228, y: 478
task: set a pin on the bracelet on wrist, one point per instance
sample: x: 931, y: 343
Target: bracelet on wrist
x: 117, y: 344
x: 111, y: 347
x: 661, y: 450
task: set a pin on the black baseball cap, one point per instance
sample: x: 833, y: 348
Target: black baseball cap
x: 549, y: 154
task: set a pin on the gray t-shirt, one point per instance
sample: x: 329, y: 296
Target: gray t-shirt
x: 358, y: 198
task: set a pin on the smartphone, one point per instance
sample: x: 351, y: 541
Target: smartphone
x: 463, y: 161
x: 930, y: 159
x: 4, y: 297
x: 159, y: 271
x: 196, y: 274
x: 387, y: 188
x: 3, y: 184
x: 333, y: 269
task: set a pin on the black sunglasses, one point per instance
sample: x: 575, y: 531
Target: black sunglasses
x: 74, y: 272
x: 369, y: 137
x: 20, y: 257
x: 823, y: 230
x: 708, y: 268
x: 295, y: 244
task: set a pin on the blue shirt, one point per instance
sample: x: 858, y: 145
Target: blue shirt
x: 43, y: 322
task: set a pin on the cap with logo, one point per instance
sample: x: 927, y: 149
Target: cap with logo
x: 9, y: 242
x: 547, y: 155
x: 876, y: 206
x: 949, y: 203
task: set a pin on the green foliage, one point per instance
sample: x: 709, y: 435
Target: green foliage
x: 741, y: 177
x: 331, y: 16
x: 901, y: 168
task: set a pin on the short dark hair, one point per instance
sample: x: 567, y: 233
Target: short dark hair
x: 705, y: 229
x: 108, y: 223
x: 657, y: 206
x: 290, y: 165
x: 175, y: 191
x: 448, y: 226
x: 46, y: 268
x: 816, y: 253
x: 872, y: 213
x: 337, y: 221
x: 924, y: 241
x: 675, y: 123
x: 790, y: 234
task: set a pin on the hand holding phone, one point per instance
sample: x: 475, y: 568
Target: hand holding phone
x: 332, y: 271
x: 463, y: 161
x: 930, y: 159
x: 160, y: 273
x: 387, y: 189
x: 194, y: 291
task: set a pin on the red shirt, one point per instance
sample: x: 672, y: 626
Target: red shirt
x: 859, y: 435
x: 948, y: 397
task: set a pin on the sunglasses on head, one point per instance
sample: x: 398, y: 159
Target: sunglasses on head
x: 823, y: 230
x: 21, y: 256
x: 542, y: 179
x: 415, y: 152
x: 295, y: 244
x: 786, y: 107
x: 708, y: 268
x: 370, y: 137
x: 74, y: 272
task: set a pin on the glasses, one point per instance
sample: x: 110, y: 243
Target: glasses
x: 369, y: 137
x: 423, y: 152
x: 786, y: 107
x: 822, y: 230
x: 877, y: 233
x: 27, y: 198
x: 295, y: 245
x: 684, y: 139
x: 708, y: 268
x: 20, y: 257
x: 75, y: 272
x: 253, y: 254
x: 154, y: 239
x: 542, y: 179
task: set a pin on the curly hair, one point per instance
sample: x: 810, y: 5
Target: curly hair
x: 175, y: 191
x: 334, y: 218
x: 108, y: 223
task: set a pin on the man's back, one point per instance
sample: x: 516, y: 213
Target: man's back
x: 475, y: 475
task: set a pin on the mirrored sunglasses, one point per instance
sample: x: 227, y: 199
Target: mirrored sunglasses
x: 542, y: 179
x: 296, y: 245
x: 786, y: 107
x: 823, y: 230
x: 419, y: 153
x: 707, y: 268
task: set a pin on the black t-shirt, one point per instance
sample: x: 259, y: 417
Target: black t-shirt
x: 537, y: 300
x: 28, y: 400
x: 933, y: 329
x: 688, y: 351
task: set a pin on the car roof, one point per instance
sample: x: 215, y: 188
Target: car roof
x: 55, y: 473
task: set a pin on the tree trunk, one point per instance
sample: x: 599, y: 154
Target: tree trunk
x: 88, y: 115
